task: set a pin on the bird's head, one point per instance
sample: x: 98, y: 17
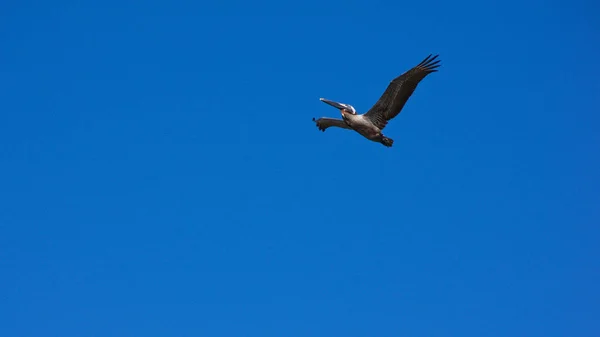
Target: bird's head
x: 344, y: 108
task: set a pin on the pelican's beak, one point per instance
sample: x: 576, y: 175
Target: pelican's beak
x: 332, y: 103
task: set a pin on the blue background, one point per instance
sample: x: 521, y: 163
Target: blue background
x: 161, y: 175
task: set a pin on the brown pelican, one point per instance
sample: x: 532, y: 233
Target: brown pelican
x: 387, y: 107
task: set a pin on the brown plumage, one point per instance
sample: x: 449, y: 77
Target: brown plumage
x: 399, y: 91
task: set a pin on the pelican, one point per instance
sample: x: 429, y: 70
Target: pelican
x: 370, y: 124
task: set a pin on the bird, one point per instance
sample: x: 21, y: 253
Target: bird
x: 389, y: 105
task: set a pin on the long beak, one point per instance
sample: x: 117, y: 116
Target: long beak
x: 332, y: 103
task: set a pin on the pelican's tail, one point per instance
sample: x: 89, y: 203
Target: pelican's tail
x: 387, y: 141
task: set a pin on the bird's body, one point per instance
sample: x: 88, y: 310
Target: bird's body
x: 364, y: 126
x: 389, y: 105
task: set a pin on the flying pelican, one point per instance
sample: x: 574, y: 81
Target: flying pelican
x: 387, y: 107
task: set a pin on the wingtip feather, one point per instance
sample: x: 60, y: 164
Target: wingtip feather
x: 430, y: 63
x: 424, y: 61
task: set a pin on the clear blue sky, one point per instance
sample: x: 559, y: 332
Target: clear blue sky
x: 161, y: 175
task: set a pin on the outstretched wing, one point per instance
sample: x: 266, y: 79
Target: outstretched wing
x: 398, y: 92
x: 325, y: 122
